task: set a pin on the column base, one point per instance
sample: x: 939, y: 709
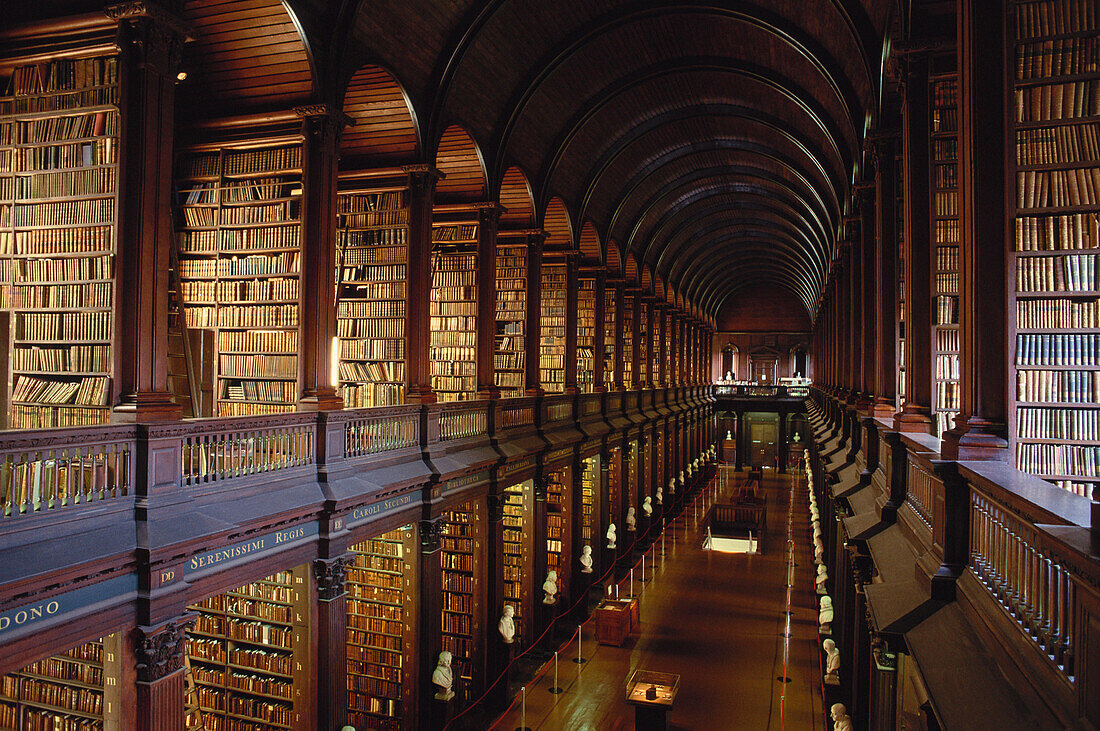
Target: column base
x: 882, y: 408
x: 913, y: 419
x: 146, y: 407
x: 976, y: 439
x: 323, y: 401
x: 420, y: 395
x: 489, y: 393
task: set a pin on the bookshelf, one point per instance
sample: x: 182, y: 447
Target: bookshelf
x: 59, y: 139
x: 460, y: 623
x: 518, y: 566
x: 239, y: 256
x: 1056, y: 82
x: 371, y: 261
x: 77, y: 689
x: 586, y: 334
x: 632, y: 475
x: 590, y: 502
x: 609, y: 331
x: 552, y: 323
x: 628, y: 341
x: 509, y: 347
x: 945, y: 241
x: 453, y: 311
x: 381, y: 628
x: 558, y: 525
x: 644, y: 345
x: 249, y: 651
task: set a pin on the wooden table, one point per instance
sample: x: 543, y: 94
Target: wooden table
x: 616, y: 619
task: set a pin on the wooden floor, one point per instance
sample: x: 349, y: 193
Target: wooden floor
x: 717, y: 620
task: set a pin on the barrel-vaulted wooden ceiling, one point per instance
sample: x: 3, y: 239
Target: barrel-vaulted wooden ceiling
x: 715, y: 142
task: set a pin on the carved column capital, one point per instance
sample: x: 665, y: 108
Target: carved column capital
x: 431, y: 532
x: 330, y: 574
x: 160, y: 648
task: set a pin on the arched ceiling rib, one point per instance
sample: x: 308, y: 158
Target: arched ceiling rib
x: 710, y: 143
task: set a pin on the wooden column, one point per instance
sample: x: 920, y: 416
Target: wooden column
x: 571, y: 323
x: 866, y: 286
x: 855, y: 311
x: 620, y: 290
x: 916, y: 410
x: 321, y: 128
x: 160, y: 651
x: 841, y: 313
x: 980, y: 430
x: 422, y: 179
x: 885, y: 277
x: 430, y: 628
x: 636, y: 342
x: 531, y: 328
x: 488, y: 218
x: 599, y: 339
x: 332, y: 648
x: 498, y: 653
x: 151, y: 45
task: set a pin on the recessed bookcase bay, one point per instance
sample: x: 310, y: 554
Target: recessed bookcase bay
x: 453, y: 310
x: 371, y: 265
x: 552, y: 324
x: 239, y: 259
x: 460, y: 623
x: 59, y: 140
x: 1055, y: 79
x: 510, y: 337
x: 609, y: 332
x: 586, y: 333
x: 944, y: 139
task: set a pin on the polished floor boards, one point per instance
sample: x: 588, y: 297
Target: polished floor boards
x: 715, y: 619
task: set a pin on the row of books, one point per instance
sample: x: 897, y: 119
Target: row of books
x: 242, y: 316
x: 258, y: 341
x: 442, y: 367
x: 250, y: 290
x: 378, y: 255
x: 947, y: 257
x: 389, y: 200
x: 68, y: 128
x: 63, y: 75
x: 258, y: 366
x: 1057, y: 313
x: 1050, y: 102
x: 1057, y: 423
x: 947, y: 396
x: 235, y: 389
x: 68, y: 326
x: 379, y: 371
x: 375, y: 290
x: 286, y: 263
x: 62, y: 359
x: 1061, y: 232
x: 85, y: 296
x: 1038, y: 386
x: 61, y: 270
x: 945, y: 203
x: 947, y: 283
x: 48, y: 417
x: 1070, y: 273
x: 86, y: 239
x: 1068, y: 349
x: 1055, y: 17
x: 378, y: 219
x: 96, y: 181
x: 236, y: 240
x: 66, y: 213
x: 947, y: 367
x: 1058, y: 57
x: 374, y: 349
x: 946, y: 231
x: 947, y: 310
x: 377, y: 328
x: 463, y: 232
x: 356, y: 244
x: 1058, y: 459
x: 1057, y: 145
x: 55, y: 156
x: 1058, y: 188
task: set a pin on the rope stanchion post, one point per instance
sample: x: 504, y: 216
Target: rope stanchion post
x: 555, y: 688
x: 579, y: 659
x: 523, y: 710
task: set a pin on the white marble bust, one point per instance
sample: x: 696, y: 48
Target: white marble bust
x: 681, y: 477
x: 729, y: 435
x: 550, y: 587
x: 647, y: 506
x: 825, y: 615
x: 660, y: 496
x: 611, y: 536
x: 507, y: 626
x: 631, y: 521
x: 822, y: 577
x: 442, y: 678
x: 839, y: 714
x: 672, y: 486
x: 832, y: 662
x: 586, y: 560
